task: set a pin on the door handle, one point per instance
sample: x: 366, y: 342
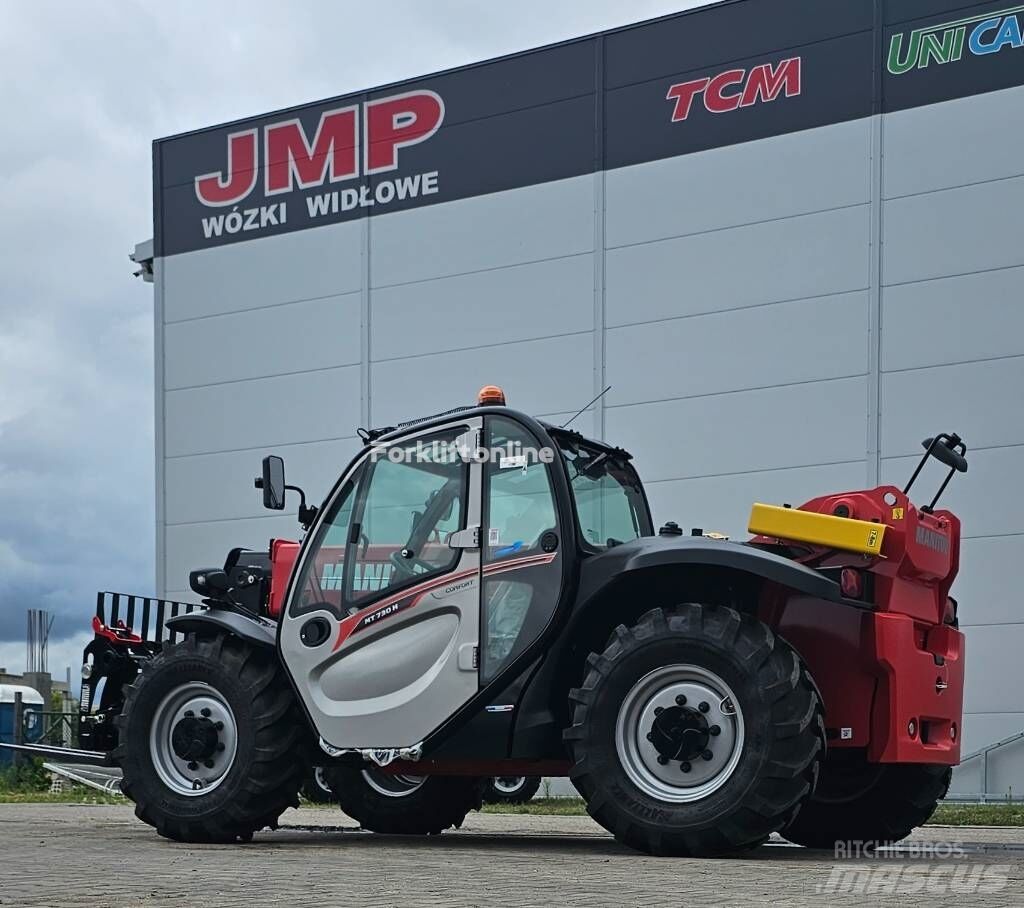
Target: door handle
x: 468, y: 538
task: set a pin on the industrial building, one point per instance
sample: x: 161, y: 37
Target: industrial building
x: 785, y: 232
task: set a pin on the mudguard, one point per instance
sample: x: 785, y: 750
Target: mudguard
x: 699, y: 551
x: 252, y: 630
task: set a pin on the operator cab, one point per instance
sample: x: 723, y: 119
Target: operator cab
x: 439, y: 560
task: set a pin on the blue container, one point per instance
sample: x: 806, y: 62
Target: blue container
x: 33, y: 708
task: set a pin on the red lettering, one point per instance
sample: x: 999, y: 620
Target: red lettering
x: 398, y: 121
x: 767, y: 82
x: 290, y: 158
x: 683, y: 94
x: 215, y: 189
x: 715, y: 99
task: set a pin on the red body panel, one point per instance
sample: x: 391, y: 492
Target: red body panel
x: 283, y: 554
x: 892, y: 675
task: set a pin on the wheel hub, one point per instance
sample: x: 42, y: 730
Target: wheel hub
x: 679, y: 734
x: 193, y: 739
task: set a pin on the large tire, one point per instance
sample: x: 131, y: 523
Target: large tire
x: 863, y: 802
x: 511, y: 789
x: 168, y: 730
x: 746, y: 682
x: 404, y: 805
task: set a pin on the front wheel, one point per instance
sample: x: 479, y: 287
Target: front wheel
x: 696, y: 732
x: 511, y: 789
x: 402, y: 804
x: 211, y: 741
x: 863, y: 802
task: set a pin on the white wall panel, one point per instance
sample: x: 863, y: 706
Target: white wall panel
x: 739, y: 184
x: 220, y: 486
x: 775, y: 428
x: 722, y: 503
x: 740, y: 349
x: 988, y: 585
x: 994, y: 670
x: 956, y: 231
x: 303, y: 265
x: 541, y: 376
x: 266, y: 411
x: 921, y: 402
x: 490, y: 231
x: 953, y: 319
x: 796, y: 258
x: 296, y: 337
x: 968, y: 140
x: 499, y: 306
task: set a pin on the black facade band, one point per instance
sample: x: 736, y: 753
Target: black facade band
x: 716, y: 76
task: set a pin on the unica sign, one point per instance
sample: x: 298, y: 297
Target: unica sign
x: 947, y: 42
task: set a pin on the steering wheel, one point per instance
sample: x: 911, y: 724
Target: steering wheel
x: 406, y: 564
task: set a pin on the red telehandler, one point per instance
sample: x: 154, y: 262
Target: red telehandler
x: 484, y: 595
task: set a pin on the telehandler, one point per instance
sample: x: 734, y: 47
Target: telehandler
x: 483, y: 594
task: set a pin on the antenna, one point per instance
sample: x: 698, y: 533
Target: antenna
x: 588, y: 406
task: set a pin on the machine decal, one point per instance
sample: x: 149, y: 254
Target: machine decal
x: 408, y: 598
x: 946, y: 42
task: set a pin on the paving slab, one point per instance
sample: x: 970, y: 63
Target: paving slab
x: 63, y: 855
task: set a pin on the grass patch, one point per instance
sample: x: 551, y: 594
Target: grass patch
x: 979, y: 815
x: 78, y: 795
x: 558, y: 807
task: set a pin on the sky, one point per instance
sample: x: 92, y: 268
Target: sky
x: 87, y: 87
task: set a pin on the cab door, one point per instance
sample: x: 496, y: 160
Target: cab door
x: 381, y: 629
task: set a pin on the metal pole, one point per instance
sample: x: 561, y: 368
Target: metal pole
x: 984, y: 777
x: 19, y: 723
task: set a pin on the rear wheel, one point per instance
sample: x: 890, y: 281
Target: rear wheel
x: 857, y: 801
x: 315, y: 789
x: 511, y: 789
x: 696, y: 732
x: 403, y: 804
x: 211, y: 741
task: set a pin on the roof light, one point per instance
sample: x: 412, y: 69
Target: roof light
x: 491, y: 396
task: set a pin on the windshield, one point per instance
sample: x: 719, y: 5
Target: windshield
x: 607, y: 493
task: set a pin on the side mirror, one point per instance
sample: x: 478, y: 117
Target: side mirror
x: 272, y: 483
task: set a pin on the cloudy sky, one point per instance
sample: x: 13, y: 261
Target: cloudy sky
x: 87, y: 87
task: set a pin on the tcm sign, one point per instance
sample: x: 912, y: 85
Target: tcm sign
x: 362, y: 138
x: 736, y: 88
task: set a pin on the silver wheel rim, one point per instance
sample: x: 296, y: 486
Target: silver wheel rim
x: 508, y: 784
x: 392, y: 786
x: 321, y: 780
x: 666, y: 699
x: 193, y: 701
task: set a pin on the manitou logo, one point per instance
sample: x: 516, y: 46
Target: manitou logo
x: 737, y: 88
x: 988, y: 33
x: 359, y: 139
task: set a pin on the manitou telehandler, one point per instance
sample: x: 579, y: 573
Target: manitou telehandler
x: 483, y: 595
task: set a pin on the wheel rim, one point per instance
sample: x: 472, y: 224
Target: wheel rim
x: 193, y: 739
x: 320, y: 780
x: 392, y: 786
x: 508, y: 785
x: 670, y: 723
